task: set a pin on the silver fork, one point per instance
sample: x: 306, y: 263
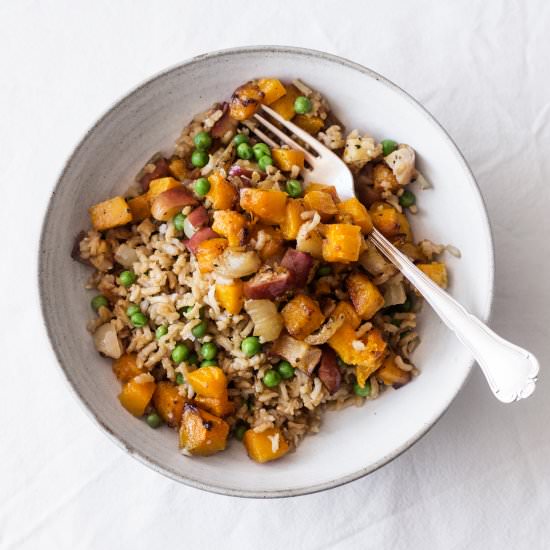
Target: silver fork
x: 511, y: 371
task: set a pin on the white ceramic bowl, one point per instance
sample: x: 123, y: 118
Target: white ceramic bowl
x: 352, y: 442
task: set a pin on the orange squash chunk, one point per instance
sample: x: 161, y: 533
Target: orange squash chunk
x: 208, y: 381
x: 178, y: 168
x: 160, y: 185
x: 311, y: 124
x: 349, y: 313
x: 320, y: 202
x: 169, y: 403
x: 265, y: 446
x: 231, y: 225
x: 207, y: 252
x: 330, y: 189
x: 364, y: 294
x: 110, y: 213
x: 302, y: 316
x: 342, y: 243
x: 293, y: 220
x: 245, y: 101
x: 391, y: 375
x: 285, y: 159
x: 437, y: 272
x: 285, y: 105
x: 135, y: 396
x: 125, y: 367
x: 222, y: 194
x: 139, y: 207
x: 268, y: 205
x: 219, y: 406
x: 202, y: 433
x: 273, y: 244
x: 231, y: 296
x: 272, y: 88
x: 357, y: 212
x: 389, y: 221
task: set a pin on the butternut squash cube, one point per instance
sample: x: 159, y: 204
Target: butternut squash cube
x: 437, y: 272
x: 364, y: 294
x: 222, y: 194
x: 311, y: 124
x: 265, y: 446
x: 273, y: 241
x: 202, y: 433
x: 391, y: 375
x: 357, y: 212
x: 285, y: 105
x: 349, y: 313
x: 293, y: 219
x: 178, y: 168
x: 139, y: 207
x: 208, y: 381
x: 168, y: 403
x: 321, y: 202
x: 371, y: 357
x: 231, y: 296
x: 285, y: 159
x: 231, y: 225
x: 272, y: 88
x: 389, y: 221
x: 219, y: 406
x: 245, y: 101
x: 342, y: 243
x: 267, y: 205
x: 330, y: 189
x: 302, y: 316
x: 207, y: 252
x: 110, y: 213
x: 135, y: 396
x: 125, y: 367
x: 312, y: 243
x: 160, y: 185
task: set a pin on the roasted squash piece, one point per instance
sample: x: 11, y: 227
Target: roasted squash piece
x: 231, y: 225
x: 357, y: 212
x: 302, y: 316
x: 311, y: 124
x: 389, y: 221
x: 312, y: 243
x: 273, y: 241
x: 136, y: 394
x: 349, y: 313
x: 202, y: 433
x: 330, y: 189
x: 272, y: 89
x: 342, y: 242
x: 285, y: 159
x: 222, y: 194
x: 245, y: 101
x: 293, y: 219
x: 178, y: 168
x: 391, y: 375
x: 168, y: 403
x: 437, y: 272
x: 110, y: 213
x: 268, y: 205
x: 125, y: 367
x: 231, y: 296
x: 285, y: 105
x: 219, y: 406
x: 160, y: 185
x: 372, y: 357
x: 265, y: 446
x: 383, y: 178
x: 321, y: 202
x: 208, y: 251
x: 208, y: 381
x: 364, y: 294
x: 139, y: 207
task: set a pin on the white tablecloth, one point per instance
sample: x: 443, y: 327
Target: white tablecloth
x: 481, y: 477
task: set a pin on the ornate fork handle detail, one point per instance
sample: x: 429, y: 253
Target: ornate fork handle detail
x: 511, y: 371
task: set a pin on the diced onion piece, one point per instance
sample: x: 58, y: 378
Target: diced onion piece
x: 268, y: 322
x: 373, y: 261
x: 299, y: 354
x: 325, y: 333
x: 395, y: 292
x: 125, y: 255
x: 188, y: 228
x: 106, y: 341
x: 234, y: 264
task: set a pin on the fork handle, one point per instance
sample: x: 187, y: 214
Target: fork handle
x: 511, y: 371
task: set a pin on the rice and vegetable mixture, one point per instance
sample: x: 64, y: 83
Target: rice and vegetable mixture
x: 237, y: 300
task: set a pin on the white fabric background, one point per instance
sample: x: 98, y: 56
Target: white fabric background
x: 481, y: 477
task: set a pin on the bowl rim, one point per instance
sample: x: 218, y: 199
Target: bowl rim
x: 152, y: 462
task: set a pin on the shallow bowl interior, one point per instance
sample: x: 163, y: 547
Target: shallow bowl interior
x: 352, y: 442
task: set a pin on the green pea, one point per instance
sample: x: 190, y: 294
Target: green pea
x: 127, y: 278
x: 293, y: 188
x: 285, y: 369
x: 209, y: 363
x: 202, y: 186
x: 138, y: 319
x: 199, y: 330
x: 131, y: 309
x: 180, y: 353
x: 244, y: 151
x: 199, y: 158
x: 324, y: 270
x: 302, y: 105
x: 240, y: 430
x: 240, y: 138
x: 260, y: 150
x: 271, y: 378
x: 99, y: 301
x: 179, y: 378
x: 209, y: 350
x: 388, y: 146
x: 178, y: 220
x: 407, y: 199
x: 264, y: 162
x: 251, y: 346
x: 202, y: 141
x: 361, y: 392
x: 154, y: 420
x: 193, y: 359
x: 161, y: 331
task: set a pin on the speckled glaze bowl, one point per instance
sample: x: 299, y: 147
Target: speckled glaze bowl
x: 352, y: 442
